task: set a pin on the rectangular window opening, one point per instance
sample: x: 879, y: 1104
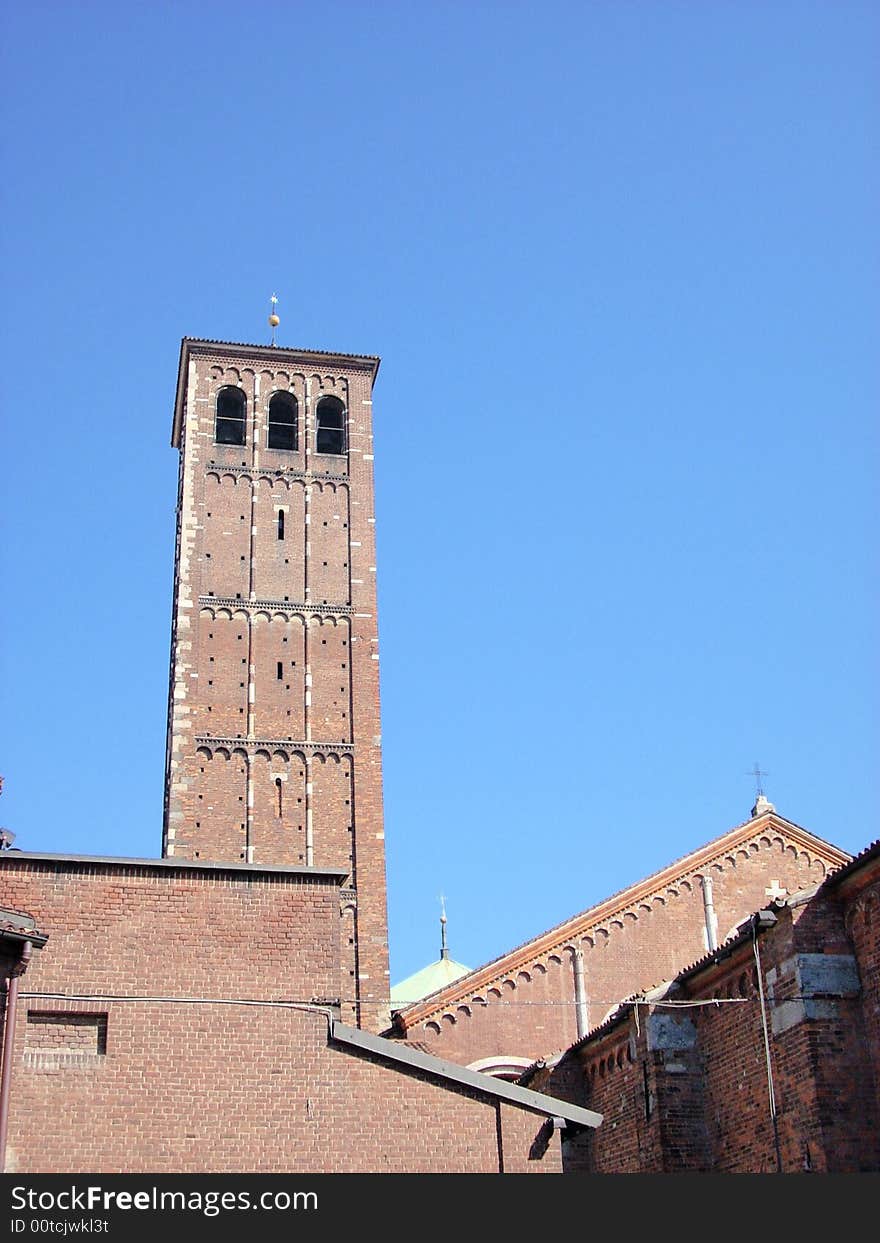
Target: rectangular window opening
x: 63, y: 1033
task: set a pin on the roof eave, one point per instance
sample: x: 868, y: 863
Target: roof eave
x: 335, y: 876
x: 21, y: 935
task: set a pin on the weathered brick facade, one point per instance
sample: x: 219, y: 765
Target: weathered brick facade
x: 215, y: 1010
x: 274, y: 748
x: 526, y: 1005
x: 681, y: 1077
x: 181, y: 1018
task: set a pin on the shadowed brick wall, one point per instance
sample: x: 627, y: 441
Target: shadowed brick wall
x: 685, y: 1086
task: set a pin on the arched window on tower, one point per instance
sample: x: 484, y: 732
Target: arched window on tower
x: 330, y: 426
x: 282, y: 421
x: 231, y: 408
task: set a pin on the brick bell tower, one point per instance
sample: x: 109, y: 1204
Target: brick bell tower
x: 274, y: 747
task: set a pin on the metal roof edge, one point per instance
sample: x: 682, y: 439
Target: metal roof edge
x: 190, y: 865
x: 414, y: 1059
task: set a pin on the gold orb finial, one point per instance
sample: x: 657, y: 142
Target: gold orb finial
x: 274, y: 321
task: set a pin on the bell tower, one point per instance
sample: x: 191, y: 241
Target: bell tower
x: 274, y: 741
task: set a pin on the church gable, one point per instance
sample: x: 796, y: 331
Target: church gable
x: 549, y: 991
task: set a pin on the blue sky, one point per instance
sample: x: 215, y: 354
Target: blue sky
x: 620, y: 261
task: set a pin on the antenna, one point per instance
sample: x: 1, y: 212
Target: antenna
x: 7, y: 837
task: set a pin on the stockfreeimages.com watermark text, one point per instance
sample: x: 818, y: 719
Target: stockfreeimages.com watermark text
x: 97, y: 1199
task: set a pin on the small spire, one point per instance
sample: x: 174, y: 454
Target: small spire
x: 444, y: 948
x: 274, y: 321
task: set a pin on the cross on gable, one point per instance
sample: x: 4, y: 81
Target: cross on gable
x: 757, y: 772
x: 776, y: 892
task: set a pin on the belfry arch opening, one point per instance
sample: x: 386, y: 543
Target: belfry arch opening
x: 229, y: 426
x: 283, y: 422
x: 330, y: 426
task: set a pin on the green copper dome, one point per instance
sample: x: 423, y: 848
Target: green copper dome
x: 431, y: 978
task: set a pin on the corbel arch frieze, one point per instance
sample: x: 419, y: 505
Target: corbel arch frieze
x: 252, y: 746
x: 290, y: 474
x: 279, y: 608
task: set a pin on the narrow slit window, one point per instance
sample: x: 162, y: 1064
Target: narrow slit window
x: 283, y: 429
x: 279, y: 809
x: 330, y: 418
x: 231, y: 409
x: 281, y: 524
x: 279, y: 670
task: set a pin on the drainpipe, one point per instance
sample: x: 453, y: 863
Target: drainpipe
x: 580, y: 995
x: 766, y: 919
x: 709, y: 915
x: 9, y: 1044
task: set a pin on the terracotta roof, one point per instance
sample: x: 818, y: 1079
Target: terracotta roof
x: 854, y: 865
x: 8, y: 925
x: 15, y: 912
x: 21, y: 929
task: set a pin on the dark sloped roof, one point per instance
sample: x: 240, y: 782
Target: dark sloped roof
x: 405, y: 1054
x: 855, y: 864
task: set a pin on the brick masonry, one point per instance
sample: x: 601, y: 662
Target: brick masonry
x: 274, y: 738
x: 180, y: 1017
x: 523, y: 1005
x: 187, y: 1014
x: 682, y: 1079
x: 177, y: 1020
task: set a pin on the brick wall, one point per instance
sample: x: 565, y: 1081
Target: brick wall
x: 241, y: 1090
x: 155, y: 930
x: 524, y: 1006
x: 859, y: 895
x: 274, y: 752
x: 120, y: 1067
x: 685, y: 1086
